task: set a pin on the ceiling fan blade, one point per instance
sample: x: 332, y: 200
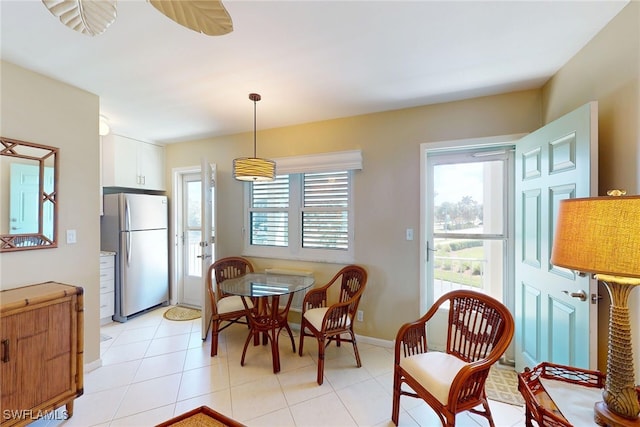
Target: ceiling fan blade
x: 203, y: 16
x: 91, y: 17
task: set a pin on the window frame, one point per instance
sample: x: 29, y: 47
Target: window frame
x: 294, y: 249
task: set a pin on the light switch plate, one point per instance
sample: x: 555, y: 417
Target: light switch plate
x: 71, y: 236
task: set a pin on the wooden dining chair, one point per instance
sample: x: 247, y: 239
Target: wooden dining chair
x: 224, y: 307
x: 479, y: 331
x: 327, y: 322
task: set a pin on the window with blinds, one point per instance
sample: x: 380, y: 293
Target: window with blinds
x: 301, y: 215
x: 325, y: 210
x: 269, y: 212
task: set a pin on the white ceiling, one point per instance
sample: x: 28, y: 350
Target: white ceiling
x: 310, y: 60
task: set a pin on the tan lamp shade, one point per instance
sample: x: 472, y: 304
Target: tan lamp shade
x: 254, y: 169
x: 599, y: 235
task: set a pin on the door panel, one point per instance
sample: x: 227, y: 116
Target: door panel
x: 530, y: 309
x: 208, y: 178
x: 192, y: 238
x: 144, y: 270
x: 531, y: 227
x: 143, y: 212
x: 556, y: 162
x: 563, y: 333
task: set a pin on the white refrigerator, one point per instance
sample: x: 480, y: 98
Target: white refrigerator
x: 135, y: 227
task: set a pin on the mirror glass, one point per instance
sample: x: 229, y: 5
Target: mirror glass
x: 28, y: 190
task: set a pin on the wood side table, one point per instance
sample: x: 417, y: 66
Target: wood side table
x: 540, y: 406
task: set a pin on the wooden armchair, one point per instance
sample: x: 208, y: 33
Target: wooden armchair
x: 224, y: 307
x: 479, y: 331
x: 326, y: 323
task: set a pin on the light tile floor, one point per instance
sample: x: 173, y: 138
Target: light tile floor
x: 154, y: 369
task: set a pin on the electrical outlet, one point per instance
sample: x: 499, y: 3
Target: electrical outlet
x: 360, y: 315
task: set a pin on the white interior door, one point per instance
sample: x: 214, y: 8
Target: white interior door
x: 208, y: 233
x: 25, y: 197
x: 556, y: 162
x: 190, y: 293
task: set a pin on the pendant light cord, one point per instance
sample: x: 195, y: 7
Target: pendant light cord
x: 255, y: 97
x: 254, y: 127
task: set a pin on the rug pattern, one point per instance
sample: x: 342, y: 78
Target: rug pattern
x: 502, y: 385
x: 181, y: 313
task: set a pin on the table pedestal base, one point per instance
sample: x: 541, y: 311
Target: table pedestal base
x: 269, y: 320
x: 604, y: 417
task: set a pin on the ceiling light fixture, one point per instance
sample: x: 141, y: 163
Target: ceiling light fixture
x: 103, y: 127
x: 253, y: 168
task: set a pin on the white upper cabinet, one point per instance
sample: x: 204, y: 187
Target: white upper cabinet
x: 130, y: 163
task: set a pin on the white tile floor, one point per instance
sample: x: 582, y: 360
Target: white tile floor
x: 154, y: 369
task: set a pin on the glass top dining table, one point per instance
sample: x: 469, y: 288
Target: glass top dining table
x: 268, y: 316
x: 266, y: 284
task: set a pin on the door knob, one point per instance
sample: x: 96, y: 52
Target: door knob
x: 581, y: 295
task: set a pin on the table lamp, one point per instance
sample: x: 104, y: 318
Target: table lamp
x: 601, y: 235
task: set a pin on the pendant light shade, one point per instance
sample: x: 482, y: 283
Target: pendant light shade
x: 253, y: 168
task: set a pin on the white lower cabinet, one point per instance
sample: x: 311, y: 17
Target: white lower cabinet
x: 107, y: 286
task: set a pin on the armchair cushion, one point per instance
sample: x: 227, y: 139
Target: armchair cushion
x: 434, y: 370
x: 231, y: 304
x: 316, y: 315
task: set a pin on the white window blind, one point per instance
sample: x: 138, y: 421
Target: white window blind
x: 325, y: 211
x: 269, y: 212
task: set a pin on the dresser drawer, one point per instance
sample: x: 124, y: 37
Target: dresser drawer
x: 107, y: 262
x: 107, y: 286
x: 107, y: 304
x: 106, y: 275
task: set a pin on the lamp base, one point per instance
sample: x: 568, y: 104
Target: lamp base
x: 604, y: 417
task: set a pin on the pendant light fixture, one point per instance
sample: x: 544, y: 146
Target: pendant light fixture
x: 253, y: 168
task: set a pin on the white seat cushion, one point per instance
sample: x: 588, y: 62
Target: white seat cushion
x: 434, y: 370
x: 232, y: 303
x: 316, y: 315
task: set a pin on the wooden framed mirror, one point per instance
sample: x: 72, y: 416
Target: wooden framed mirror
x: 28, y: 193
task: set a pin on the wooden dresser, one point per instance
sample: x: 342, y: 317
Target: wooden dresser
x: 41, y: 352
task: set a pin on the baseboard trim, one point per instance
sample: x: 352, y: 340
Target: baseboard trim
x: 361, y: 338
x: 375, y: 341
x: 92, y: 366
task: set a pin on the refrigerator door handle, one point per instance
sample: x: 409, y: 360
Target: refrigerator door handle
x: 127, y: 215
x: 128, y: 248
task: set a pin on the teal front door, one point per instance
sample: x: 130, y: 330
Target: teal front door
x: 556, y: 309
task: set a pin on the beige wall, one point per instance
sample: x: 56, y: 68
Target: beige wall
x: 608, y: 70
x: 41, y: 110
x: 386, y: 190
x: 38, y: 109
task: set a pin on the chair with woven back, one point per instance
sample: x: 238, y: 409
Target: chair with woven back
x: 327, y: 322
x: 479, y: 331
x: 225, y: 307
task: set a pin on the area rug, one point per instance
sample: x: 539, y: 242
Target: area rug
x: 201, y: 417
x: 181, y: 313
x: 502, y: 385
